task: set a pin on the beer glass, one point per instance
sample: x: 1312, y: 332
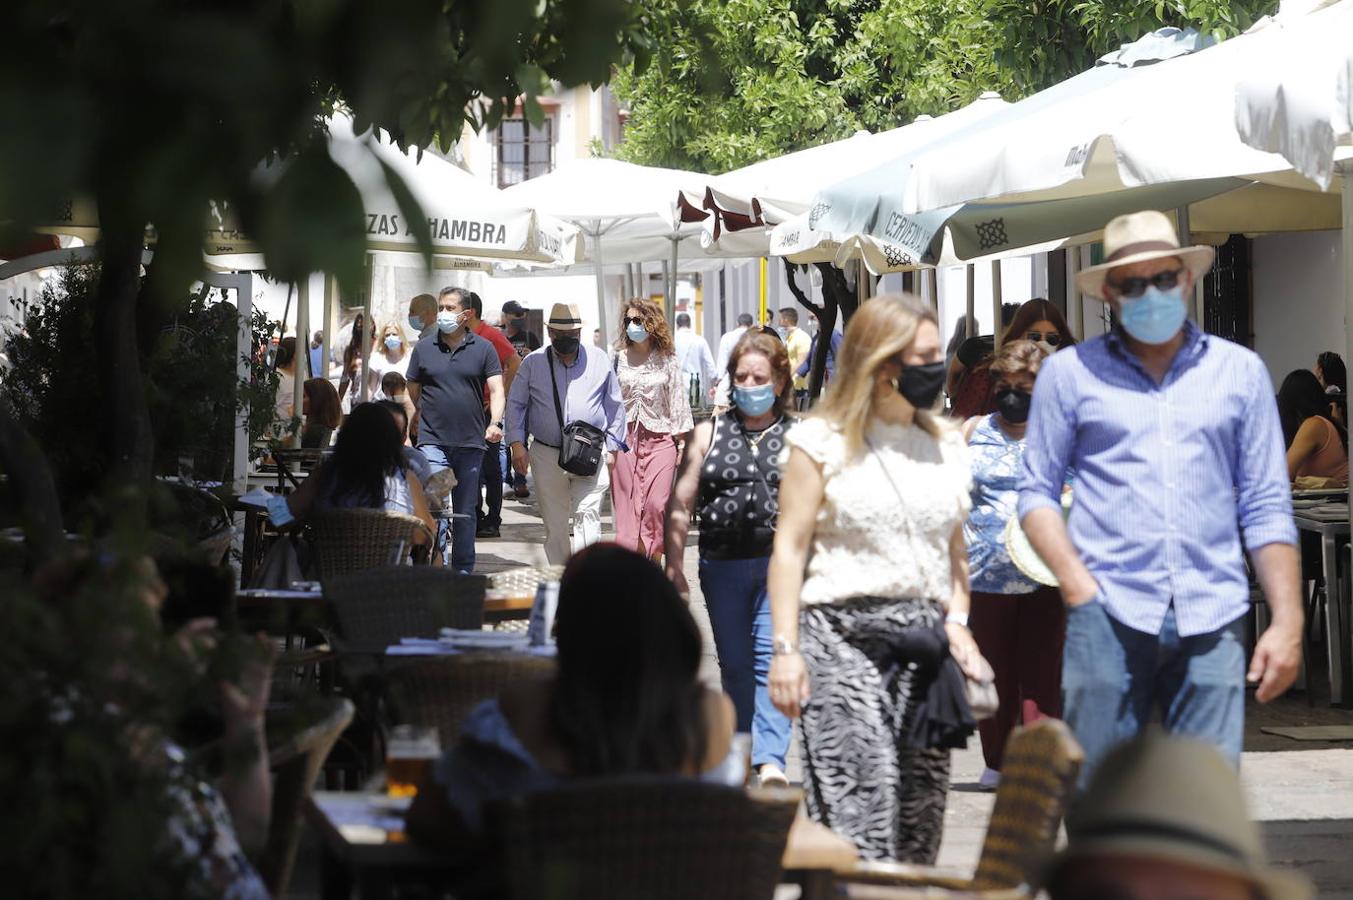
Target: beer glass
x: 410, y: 752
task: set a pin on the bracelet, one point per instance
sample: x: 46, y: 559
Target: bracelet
x: 956, y: 618
x: 782, y: 646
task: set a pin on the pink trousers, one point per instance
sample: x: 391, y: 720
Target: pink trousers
x: 640, y: 486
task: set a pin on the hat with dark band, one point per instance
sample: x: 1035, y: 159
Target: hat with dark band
x: 565, y: 317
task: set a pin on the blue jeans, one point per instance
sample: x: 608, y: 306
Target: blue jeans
x: 465, y: 462
x: 492, y: 484
x: 739, y: 614
x: 1114, y: 677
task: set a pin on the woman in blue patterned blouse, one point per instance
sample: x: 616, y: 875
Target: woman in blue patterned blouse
x: 1018, y: 623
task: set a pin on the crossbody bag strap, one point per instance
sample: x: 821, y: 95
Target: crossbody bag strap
x: 554, y: 383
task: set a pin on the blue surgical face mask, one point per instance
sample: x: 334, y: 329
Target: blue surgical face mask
x: 753, y: 401
x: 392, y: 342
x: 448, y: 321
x: 416, y: 323
x: 1156, y: 316
x: 636, y: 333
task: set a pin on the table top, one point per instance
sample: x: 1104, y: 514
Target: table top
x: 367, y: 829
x: 1325, y: 526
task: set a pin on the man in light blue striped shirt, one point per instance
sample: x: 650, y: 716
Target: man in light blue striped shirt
x: 1174, y: 440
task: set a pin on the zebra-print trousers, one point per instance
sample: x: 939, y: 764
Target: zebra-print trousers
x: 860, y: 778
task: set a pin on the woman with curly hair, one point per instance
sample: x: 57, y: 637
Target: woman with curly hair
x: 659, y: 417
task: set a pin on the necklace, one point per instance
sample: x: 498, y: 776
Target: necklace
x: 755, y: 442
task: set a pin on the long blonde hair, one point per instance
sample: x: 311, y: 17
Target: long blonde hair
x: 879, y: 332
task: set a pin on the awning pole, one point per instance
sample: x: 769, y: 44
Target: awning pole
x: 368, y: 328
x: 996, y: 301
x: 971, y: 308
x: 301, y: 360
x: 1075, y: 303
x: 1186, y: 240
x: 601, y: 286
x: 672, y: 284
x: 326, y: 330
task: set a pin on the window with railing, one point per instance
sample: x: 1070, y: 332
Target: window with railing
x: 522, y: 150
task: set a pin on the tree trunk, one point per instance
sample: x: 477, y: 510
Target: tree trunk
x: 33, y: 489
x: 126, y: 421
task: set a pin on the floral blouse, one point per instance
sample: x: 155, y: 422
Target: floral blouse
x: 655, y: 393
x: 996, y: 460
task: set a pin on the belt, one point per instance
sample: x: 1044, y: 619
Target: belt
x: 543, y: 444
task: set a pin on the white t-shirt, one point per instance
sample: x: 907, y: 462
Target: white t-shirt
x: 379, y: 365
x: 868, y: 542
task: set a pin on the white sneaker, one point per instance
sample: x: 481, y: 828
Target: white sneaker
x: 771, y: 775
x: 990, y: 780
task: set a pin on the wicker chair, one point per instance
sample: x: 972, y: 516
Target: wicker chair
x: 296, y: 763
x: 350, y: 540
x: 440, y: 691
x: 1037, y: 776
x: 380, y: 606
x: 643, y: 838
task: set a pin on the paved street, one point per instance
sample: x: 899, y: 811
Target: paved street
x: 1301, y: 792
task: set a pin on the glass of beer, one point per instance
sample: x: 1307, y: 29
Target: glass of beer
x: 410, y: 752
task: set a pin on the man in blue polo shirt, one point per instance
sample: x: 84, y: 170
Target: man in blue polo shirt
x: 448, y: 375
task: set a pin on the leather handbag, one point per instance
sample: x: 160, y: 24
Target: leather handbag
x: 581, y: 444
x: 981, y: 692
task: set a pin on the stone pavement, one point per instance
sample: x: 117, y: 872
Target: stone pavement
x: 1300, y: 792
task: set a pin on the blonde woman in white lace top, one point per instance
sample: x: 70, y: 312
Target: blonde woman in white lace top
x: 659, y: 417
x: 869, y: 584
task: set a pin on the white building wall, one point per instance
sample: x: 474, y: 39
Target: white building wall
x: 1298, y: 312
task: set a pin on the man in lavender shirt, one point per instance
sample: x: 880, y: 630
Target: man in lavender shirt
x: 1174, y: 440
x: 589, y: 392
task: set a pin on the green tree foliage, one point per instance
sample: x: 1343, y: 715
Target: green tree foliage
x: 160, y: 111
x: 735, y: 81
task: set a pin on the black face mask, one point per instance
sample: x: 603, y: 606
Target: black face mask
x: 565, y: 346
x: 1014, y: 405
x: 514, y: 325
x: 921, y: 385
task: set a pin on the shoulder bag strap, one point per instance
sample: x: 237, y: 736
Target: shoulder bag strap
x: 554, y: 383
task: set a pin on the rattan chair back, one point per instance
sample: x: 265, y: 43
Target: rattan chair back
x: 296, y: 763
x: 350, y: 540
x: 440, y: 691
x: 380, y: 606
x: 651, y: 838
x: 1038, y: 774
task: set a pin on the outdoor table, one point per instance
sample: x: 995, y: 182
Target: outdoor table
x: 1332, y: 524
x: 364, y: 845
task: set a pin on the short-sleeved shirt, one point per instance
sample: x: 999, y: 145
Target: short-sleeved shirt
x: 501, y: 345
x: 997, y: 460
x: 451, y: 384
x: 524, y: 341
x: 887, y: 512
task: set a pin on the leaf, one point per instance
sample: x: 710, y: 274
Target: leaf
x: 313, y: 221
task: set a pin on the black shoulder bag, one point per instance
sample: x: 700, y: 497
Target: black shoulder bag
x: 581, y: 444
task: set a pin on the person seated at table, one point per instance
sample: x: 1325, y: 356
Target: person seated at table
x: 627, y: 699
x: 1164, y: 818
x: 367, y: 471
x: 1316, y: 446
x: 322, y: 412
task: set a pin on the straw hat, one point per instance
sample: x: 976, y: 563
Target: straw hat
x: 1137, y: 237
x: 1174, y: 800
x: 565, y: 317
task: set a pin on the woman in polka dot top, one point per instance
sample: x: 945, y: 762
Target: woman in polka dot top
x: 730, y: 474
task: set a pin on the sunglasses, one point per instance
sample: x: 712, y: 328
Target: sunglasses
x: 632, y: 320
x: 1052, y: 338
x: 1132, y: 288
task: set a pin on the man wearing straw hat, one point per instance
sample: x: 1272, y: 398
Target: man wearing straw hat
x: 1165, y: 818
x: 587, y: 390
x: 1173, y: 440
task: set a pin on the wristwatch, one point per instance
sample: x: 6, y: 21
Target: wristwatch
x: 956, y: 618
x: 782, y: 646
